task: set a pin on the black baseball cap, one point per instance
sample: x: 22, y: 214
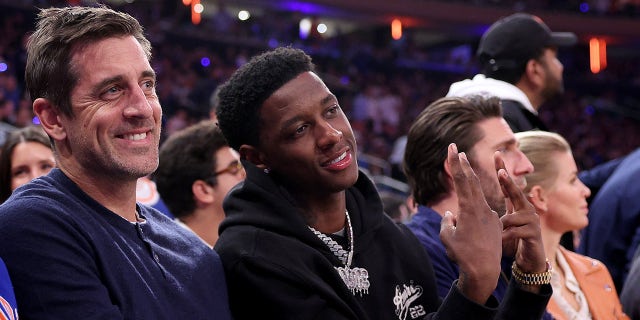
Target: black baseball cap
x: 517, y: 38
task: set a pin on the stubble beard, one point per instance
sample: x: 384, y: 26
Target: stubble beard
x: 553, y: 87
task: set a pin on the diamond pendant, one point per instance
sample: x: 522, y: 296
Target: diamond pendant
x: 356, y: 279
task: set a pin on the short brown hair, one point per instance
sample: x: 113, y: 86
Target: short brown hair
x: 49, y: 73
x: 447, y: 120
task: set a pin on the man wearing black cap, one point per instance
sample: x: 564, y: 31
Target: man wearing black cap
x: 518, y: 57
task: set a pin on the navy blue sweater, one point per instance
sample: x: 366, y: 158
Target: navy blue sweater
x: 71, y: 258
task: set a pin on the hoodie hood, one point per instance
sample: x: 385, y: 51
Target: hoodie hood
x: 481, y: 85
x: 261, y: 202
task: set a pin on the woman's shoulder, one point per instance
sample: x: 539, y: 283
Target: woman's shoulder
x: 576, y: 259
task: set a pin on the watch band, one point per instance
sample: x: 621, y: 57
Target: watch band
x: 531, y: 278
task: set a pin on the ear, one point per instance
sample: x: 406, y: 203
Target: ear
x: 535, y: 73
x: 447, y: 168
x: 449, y: 175
x: 202, y: 193
x: 254, y: 156
x: 49, y: 118
x: 537, y: 196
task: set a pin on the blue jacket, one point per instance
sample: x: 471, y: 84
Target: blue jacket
x: 613, y: 234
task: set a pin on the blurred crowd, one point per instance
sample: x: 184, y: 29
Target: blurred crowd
x: 382, y: 84
x: 627, y: 8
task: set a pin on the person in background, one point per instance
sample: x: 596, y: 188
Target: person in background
x: 476, y: 126
x: 398, y: 207
x: 305, y: 236
x: 630, y: 296
x: 582, y: 286
x: 214, y: 102
x: 25, y: 156
x: 8, y: 305
x: 519, y: 64
x: 78, y: 246
x: 196, y: 171
x: 147, y: 194
x: 613, y: 233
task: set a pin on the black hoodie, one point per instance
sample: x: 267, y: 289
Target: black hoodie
x: 277, y: 268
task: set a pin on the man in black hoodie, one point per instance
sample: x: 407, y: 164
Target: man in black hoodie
x: 305, y: 235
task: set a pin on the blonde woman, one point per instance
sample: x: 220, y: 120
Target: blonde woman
x: 582, y: 286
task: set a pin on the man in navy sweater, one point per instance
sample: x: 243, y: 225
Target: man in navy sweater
x: 76, y: 243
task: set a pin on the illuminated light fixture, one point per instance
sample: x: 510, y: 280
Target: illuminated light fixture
x: 396, y: 29
x: 186, y: 2
x: 322, y: 28
x: 597, y: 54
x: 304, y: 28
x: 196, y: 10
x: 244, y: 15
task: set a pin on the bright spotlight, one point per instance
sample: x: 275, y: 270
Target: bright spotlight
x: 243, y: 15
x: 305, y: 27
x: 322, y: 28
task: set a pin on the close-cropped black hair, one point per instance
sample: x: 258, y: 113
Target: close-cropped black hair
x: 242, y: 96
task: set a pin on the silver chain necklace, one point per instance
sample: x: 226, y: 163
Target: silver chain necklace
x: 356, y: 279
